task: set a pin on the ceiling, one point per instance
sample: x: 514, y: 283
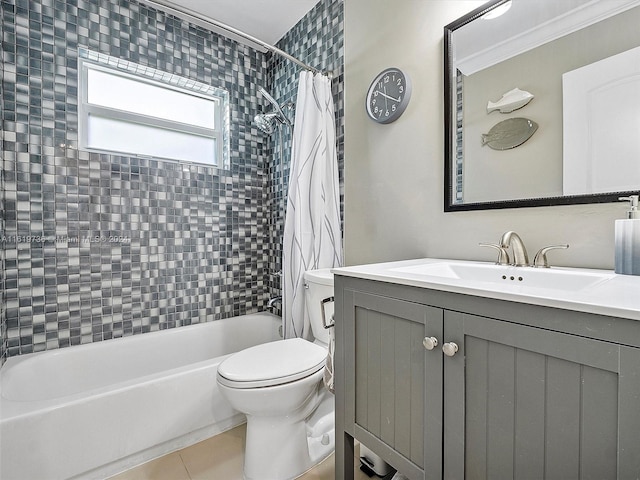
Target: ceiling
x: 266, y: 20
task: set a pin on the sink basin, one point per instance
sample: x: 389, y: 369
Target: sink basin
x: 568, y: 279
x: 599, y: 292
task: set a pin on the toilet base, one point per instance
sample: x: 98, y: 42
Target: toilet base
x: 277, y: 449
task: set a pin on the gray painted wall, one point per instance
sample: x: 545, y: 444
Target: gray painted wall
x: 394, y: 173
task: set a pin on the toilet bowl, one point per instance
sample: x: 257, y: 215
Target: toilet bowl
x: 278, y: 386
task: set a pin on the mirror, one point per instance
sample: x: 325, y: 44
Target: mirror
x: 542, y: 104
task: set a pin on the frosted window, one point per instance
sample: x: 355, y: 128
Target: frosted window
x: 114, y: 91
x: 129, y: 109
x: 122, y: 136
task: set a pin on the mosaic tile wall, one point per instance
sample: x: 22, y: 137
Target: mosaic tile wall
x: 3, y: 323
x: 100, y: 246
x: 318, y: 41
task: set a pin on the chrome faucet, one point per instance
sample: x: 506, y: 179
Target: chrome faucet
x: 273, y: 301
x: 512, y: 239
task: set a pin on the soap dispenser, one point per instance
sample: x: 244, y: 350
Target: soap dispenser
x: 627, y: 240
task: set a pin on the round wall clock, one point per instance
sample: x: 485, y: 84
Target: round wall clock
x: 388, y: 95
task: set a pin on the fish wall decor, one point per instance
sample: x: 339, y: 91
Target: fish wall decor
x: 509, y: 133
x: 510, y: 101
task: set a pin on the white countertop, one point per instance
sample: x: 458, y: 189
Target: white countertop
x: 616, y: 296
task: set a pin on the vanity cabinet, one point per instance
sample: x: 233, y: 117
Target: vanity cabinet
x: 530, y: 393
x: 393, y: 387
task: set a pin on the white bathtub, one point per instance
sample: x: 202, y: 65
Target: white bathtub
x: 94, y: 410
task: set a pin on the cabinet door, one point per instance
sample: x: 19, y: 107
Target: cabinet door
x: 528, y: 403
x: 394, y: 385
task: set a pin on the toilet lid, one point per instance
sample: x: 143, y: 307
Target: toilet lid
x: 272, y: 364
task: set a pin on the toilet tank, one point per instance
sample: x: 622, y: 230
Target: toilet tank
x: 318, y: 286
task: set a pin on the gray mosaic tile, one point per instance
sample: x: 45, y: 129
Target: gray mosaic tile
x: 101, y: 246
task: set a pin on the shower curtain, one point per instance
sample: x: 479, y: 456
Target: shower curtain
x: 312, y: 237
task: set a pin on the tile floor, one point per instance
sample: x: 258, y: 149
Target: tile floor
x: 217, y: 458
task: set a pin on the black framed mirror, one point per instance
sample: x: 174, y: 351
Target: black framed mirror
x: 532, y: 67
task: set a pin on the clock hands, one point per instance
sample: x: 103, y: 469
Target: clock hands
x: 385, y: 100
x: 388, y: 96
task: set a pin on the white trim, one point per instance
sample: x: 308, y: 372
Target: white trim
x: 588, y: 14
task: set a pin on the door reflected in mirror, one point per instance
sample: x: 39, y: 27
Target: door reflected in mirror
x: 573, y: 69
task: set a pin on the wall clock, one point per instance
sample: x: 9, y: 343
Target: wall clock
x: 388, y: 95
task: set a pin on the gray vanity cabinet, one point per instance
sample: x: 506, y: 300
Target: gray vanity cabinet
x: 517, y: 400
x: 525, y: 402
x: 394, y: 389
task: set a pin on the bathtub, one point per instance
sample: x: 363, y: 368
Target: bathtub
x: 94, y: 410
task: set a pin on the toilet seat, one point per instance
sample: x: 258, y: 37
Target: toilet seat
x: 271, y: 364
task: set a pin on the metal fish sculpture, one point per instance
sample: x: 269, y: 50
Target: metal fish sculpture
x: 509, y: 133
x: 510, y: 101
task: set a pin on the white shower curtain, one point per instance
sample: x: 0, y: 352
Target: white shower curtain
x: 312, y: 237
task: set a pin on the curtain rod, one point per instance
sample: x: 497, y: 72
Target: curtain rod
x: 210, y: 21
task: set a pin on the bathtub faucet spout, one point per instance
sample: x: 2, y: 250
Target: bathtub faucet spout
x: 273, y: 301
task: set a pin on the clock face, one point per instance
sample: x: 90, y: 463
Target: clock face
x: 388, y: 96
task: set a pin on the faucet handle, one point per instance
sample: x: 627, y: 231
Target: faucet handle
x: 540, y: 260
x: 503, y: 255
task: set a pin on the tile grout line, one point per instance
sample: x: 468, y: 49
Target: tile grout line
x: 184, y: 463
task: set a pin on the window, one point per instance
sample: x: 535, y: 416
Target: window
x: 130, y: 109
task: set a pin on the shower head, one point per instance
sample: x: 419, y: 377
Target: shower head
x: 267, y: 121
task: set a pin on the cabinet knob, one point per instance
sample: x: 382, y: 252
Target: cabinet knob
x: 430, y: 342
x: 449, y: 349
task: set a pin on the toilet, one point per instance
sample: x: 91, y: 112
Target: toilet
x: 279, y: 387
